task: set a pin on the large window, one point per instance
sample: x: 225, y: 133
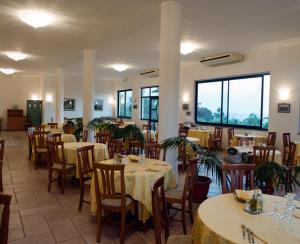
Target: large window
x: 149, y: 103
x: 125, y: 104
x: 234, y: 101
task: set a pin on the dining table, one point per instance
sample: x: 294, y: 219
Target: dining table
x: 219, y: 220
x: 139, y: 178
x: 256, y: 138
x: 70, y: 152
x: 202, y: 134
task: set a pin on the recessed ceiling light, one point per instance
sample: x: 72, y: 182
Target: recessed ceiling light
x: 120, y: 67
x: 7, y: 71
x: 187, y: 47
x: 35, y: 18
x: 17, y: 56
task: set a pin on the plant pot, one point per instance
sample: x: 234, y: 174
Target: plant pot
x: 201, y: 187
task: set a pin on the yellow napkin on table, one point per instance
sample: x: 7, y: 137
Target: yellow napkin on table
x: 245, y: 195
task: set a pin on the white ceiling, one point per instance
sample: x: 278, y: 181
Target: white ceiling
x: 127, y: 31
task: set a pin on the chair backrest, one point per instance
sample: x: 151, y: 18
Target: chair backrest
x: 40, y: 128
x: 53, y: 125
x: 4, y: 225
x: 189, y: 181
x: 271, y: 139
x: 154, y: 150
x: 159, y: 211
x: 234, y: 173
x: 40, y: 139
x: 146, y: 127
x: 218, y: 132
x: 109, y: 174
x: 85, y: 135
x: 290, y: 161
x: 2, y: 149
x: 114, y: 146
x: 103, y: 137
x: 262, y: 154
x: 56, y: 153
x: 85, y: 158
x: 230, y: 135
x: 150, y: 138
x: 286, y: 137
x: 135, y: 147
x: 54, y: 137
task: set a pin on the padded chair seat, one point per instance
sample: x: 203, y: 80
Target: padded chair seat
x: 88, y: 182
x: 180, y: 239
x: 174, y: 194
x: 115, y: 202
x: 60, y: 166
x: 41, y: 150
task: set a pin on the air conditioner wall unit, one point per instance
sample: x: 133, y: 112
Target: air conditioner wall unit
x: 150, y: 73
x: 221, y: 59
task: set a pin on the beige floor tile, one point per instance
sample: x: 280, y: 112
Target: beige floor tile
x: 45, y: 238
x: 63, y: 229
x: 15, y: 234
x: 34, y: 225
x: 41, y: 210
x: 78, y: 240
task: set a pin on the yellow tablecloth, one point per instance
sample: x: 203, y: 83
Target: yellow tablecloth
x: 258, y: 139
x: 219, y: 219
x: 70, y: 151
x: 202, y: 135
x: 68, y: 138
x: 139, y: 178
x: 297, y: 153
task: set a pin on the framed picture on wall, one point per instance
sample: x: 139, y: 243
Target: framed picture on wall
x: 284, y: 107
x: 98, y: 105
x: 69, y: 104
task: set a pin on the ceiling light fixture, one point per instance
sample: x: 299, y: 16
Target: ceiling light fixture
x: 35, y: 18
x: 120, y: 67
x: 17, y: 56
x: 187, y: 48
x: 7, y: 71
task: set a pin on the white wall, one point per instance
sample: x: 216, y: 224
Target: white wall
x: 73, y: 89
x: 281, y: 61
x: 16, y: 89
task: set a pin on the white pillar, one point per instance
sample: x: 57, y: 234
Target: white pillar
x: 88, y: 87
x: 170, y: 30
x: 42, y: 96
x: 59, y: 96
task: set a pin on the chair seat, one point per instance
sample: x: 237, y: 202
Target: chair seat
x: 41, y: 150
x: 174, y: 194
x: 180, y: 239
x: 115, y: 202
x: 88, y: 182
x: 60, y: 166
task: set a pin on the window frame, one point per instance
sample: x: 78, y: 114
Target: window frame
x: 141, y: 109
x: 222, y: 80
x: 118, y: 107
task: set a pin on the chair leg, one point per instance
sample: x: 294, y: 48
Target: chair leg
x: 81, y: 196
x: 49, y: 179
x: 123, y: 227
x: 1, y: 183
x: 63, y: 175
x: 190, y: 202
x: 99, y: 226
x: 183, y: 220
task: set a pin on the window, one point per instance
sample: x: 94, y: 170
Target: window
x: 149, y: 102
x: 234, y: 101
x: 125, y: 104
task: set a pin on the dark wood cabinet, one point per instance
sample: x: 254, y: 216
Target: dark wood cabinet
x: 15, y: 119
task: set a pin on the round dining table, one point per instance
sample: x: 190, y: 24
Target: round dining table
x: 201, y: 134
x: 219, y: 220
x: 257, y: 139
x: 70, y: 151
x: 139, y: 178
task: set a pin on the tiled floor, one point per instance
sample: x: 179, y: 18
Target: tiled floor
x: 41, y: 217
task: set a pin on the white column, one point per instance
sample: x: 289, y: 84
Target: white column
x: 88, y: 87
x: 42, y: 95
x: 170, y: 30
x: 59, y: 96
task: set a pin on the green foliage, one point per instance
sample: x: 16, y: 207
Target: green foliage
x: 76, y: 124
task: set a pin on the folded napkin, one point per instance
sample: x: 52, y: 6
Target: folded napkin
x: 245, y: 195
x: 134, y: 158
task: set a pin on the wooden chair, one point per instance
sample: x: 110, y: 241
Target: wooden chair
x: 263, y: 155
x: 102, y: 137
x: 53, y: 125
x: 4, y: 218
x: 57, y: 164
x: 271, y: 139
x: 85, y: 135
x: 183, y: 196
x: 85, y: 159
x: 30, y: 131
x: 115, y: 146
x: 215, y: 140
x: 54, y: 137
x: 1, y: 163
x: 109, y: 197
x: 40, y: 128
x: 135, y: 147
x: 230, y: 136
x: 161, y: 218
x: 290, y: 162
x: 146, y: 127
x: 154, y: 150
x: 40, y: 145
x: 286, y: 137
x: 149, y: 137
x: 240, y: 176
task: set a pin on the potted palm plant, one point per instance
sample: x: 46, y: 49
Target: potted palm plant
x: 208, y: 162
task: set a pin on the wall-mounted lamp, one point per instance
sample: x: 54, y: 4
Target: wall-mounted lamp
x: 284, y: 94
x: 185, y: 98
x: 111, y: 100
x: 49, y: 98
x: 34, y: 97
